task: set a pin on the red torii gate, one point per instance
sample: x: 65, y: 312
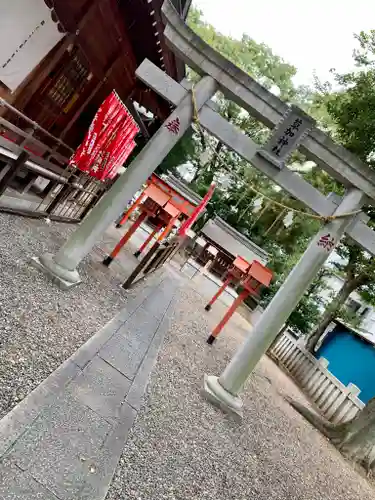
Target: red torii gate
x: 161, y: 202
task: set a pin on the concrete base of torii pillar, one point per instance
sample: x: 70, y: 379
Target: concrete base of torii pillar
x: 62, y: 267
x: 224, y: 391
x: 59, y: 275
x: 218, y: 396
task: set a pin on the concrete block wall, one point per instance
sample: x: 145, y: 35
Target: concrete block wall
x: 335, y: 401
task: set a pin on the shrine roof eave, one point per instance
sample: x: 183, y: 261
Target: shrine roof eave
x: 182, y: 189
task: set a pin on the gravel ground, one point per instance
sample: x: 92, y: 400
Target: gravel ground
x: 40, y: 325
x: 182, y: 448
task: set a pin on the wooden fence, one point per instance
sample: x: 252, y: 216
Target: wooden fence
x: 336, y: 402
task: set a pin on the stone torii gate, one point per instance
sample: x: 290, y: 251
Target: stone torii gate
x: 292, y: 129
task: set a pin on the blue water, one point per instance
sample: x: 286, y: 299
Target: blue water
x: 351, y: 360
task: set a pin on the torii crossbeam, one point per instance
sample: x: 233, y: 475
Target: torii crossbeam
x: 294, y: 129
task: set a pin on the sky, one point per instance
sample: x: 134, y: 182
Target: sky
x: 310, y: 34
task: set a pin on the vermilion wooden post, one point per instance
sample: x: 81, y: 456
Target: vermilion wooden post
x: 130, y: 210
x: 218, y: 293
x: 147, y: 241
x: 167, y: 230
x: 215, y: 332
x: 125, y: 238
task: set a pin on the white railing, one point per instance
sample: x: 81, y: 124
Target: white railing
x: 336, y: 402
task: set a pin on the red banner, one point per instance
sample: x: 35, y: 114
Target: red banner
x: 124, y: 146
x: 83, y: 155
x: 123, y: 157
x: 115, y: 149
x: 109, y: 137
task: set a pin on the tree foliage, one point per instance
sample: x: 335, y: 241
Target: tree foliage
x: 353, y: 106
x: 256, y: 59
x: 353, y: 110
x: 345, y: 113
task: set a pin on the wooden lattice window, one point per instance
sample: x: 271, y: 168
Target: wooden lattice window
x: 68, y: 84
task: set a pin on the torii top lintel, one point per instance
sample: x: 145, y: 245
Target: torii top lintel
x: 259, y: 102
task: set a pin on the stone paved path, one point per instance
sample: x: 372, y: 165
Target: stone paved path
x: 64, y: 440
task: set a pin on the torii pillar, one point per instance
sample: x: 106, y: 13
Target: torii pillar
x: 62, y: 267
x: 223, y: 391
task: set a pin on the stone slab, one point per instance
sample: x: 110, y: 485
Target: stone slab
x: 137, y: 390
x: 109, y: 455
x: 157, y: 304
x: 58, y: 447
x: 23, y: 415
x: 126, y: 349
x: 90, y: 348
x: 101, y: 387
x: 18, y: 485
x: 139, y: 294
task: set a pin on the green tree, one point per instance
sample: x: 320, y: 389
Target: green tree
x: 185, y: 151
x: 353, y: 107
x: 357, y: 269
x: 353, y: 110
x: 256, y: 59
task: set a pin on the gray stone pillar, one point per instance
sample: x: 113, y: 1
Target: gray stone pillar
x: 62, y: 266
x: 224, y: 390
